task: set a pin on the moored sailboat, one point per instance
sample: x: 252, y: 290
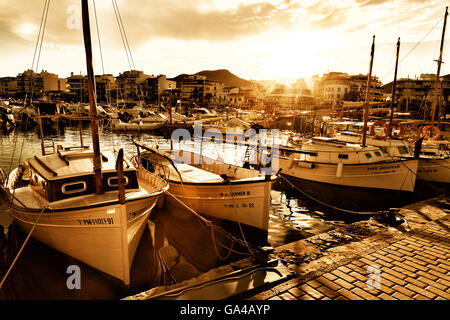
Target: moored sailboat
x: 346, y: 175
x: 216, y: 189
x: 89, y: 204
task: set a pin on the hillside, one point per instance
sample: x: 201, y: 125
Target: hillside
x: 225, y: 76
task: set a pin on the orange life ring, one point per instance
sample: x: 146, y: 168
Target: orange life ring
x: 379, y: 123
x: 429, y: 127
x: 401, y: 128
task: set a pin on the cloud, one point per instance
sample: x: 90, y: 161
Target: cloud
x: 182, y: 20
x: 334, y: 18
x: 146, y: 20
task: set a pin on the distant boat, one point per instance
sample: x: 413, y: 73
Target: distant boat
x: 216, y: 189
x: 88, y: 204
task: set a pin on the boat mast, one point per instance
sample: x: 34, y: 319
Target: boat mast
x: 366, y: 105
x: 393, y: 90
x: 439, y: 62
x: 92, y: 97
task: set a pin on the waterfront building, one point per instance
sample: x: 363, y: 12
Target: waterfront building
x: 416, y: 95
x: 78, y: 88
x: 198, y: 90
x: 38, y: 83
x: 8, y: 87
x: 157, y: 89
x: 130, y: 85
x: 105, y: 88
x: 296, y: 97
x: 335, y: 87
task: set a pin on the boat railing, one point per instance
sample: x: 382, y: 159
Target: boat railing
x: 149, y: 169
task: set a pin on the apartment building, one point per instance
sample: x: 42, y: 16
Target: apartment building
x: 335, y: 87
x: 8, y: 87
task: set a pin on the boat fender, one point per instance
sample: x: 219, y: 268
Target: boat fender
x: 339, y: 169
x: 308, y: 165
x: 291, y: 161
x: 431, y: 128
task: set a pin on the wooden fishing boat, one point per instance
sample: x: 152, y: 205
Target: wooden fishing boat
x: 329, y: 161
x: 88, y: 204
x: 216, y: 189
x: 347, y: 174
x: 434, y: 155
x: 56, y: 194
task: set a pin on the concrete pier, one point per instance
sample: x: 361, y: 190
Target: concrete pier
x: 408, y: 262
x: 406, y: 258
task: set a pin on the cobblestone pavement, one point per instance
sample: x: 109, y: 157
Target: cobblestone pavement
x: 416, y: 267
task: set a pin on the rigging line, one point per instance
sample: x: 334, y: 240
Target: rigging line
x: 121, y: 33
x: 432, y: 28
x: 39, y: 34
x: 42, y: 36
x: 98, y: 36
x: 126, y: 39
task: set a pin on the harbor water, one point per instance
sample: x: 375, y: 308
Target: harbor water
x: 291, y: 218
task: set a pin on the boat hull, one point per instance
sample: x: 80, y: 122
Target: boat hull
x: 104, y: 237
x: 245, y: 203
x: 397, y: 175
x: 434, y: 170
x: 345, y: 199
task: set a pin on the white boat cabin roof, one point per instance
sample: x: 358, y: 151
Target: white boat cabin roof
x: 67, y: 163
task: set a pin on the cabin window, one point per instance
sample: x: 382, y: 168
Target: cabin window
x: 378, y: 153
x: 342, y: 156
x: 44, y: 185
x: 368, y: 155
x: 312, y: 154
x: 402, y: 150
x: 114, y: 181
x: 74, y: 187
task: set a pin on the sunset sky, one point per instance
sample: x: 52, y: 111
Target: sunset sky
x: 254, y: 39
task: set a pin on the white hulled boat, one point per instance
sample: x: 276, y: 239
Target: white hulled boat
x: 216, y: 189
x: 434, y: 155
x: 326, y: 160
x: 88, y: 204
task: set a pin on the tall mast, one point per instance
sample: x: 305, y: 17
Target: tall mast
x: 92, y: 97
x: 366, y: 105
x: 439, y: 62
x: 393, y: 90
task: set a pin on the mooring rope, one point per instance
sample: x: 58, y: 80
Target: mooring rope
x: 326, y: 204
x: 211, y: 225
x: 21, y: 249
